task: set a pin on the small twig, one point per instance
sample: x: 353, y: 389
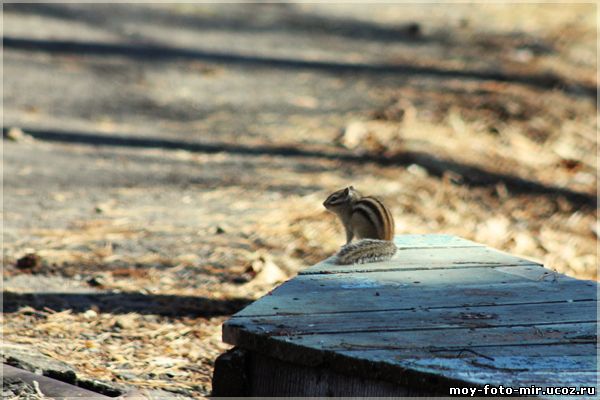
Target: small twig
x: 538, y: 331
x: 553, y: 275
x: 461, y: 351
x: 36, y: 386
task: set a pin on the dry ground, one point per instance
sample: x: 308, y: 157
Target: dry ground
x: 158, y: 197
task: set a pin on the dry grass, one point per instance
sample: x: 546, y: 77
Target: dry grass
x: 143, y: 350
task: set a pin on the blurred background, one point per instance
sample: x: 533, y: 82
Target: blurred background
x: 165, y: 164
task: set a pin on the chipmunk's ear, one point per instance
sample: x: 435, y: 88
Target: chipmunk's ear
x: 351, y: 188
x: 347, y: 191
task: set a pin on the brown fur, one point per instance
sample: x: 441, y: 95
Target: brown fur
x: 363, y: 217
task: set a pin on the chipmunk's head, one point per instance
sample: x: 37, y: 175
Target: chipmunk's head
x: 341, y: 198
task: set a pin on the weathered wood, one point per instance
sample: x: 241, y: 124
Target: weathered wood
x: 435, y: 240
x: 443, y: 313
x: 487, y: 351
x: 383, y: 354
x: 584, y: 363
x: 230, y: 378
x: 25, y: 357
x: 427, y: 258
x: 269, y: 376
x: 49, y: 387
x: 254, y: 338
x: 476, y: 370
x: 404, y: 290
x: 420, y: 318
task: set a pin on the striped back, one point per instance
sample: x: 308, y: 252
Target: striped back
x: 379, y: 215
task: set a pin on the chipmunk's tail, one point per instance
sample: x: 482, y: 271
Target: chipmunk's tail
x: 365, y: 251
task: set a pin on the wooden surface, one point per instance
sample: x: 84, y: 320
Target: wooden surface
x: 443, y: 312
x: 269, y: 377
x: 51, y: 388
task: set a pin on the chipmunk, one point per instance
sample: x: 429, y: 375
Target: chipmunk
x: 369, y: 220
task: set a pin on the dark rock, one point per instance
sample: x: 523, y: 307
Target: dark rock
x: 95, y: 281
x: 31, y: 262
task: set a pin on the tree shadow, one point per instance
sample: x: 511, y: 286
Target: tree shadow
x: 126, y: 302
x: 157, y: 52
x: 284, y: 18
x: 237, y: 19
x: 469, y: 175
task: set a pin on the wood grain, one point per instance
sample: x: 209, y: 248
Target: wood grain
x: 427, y: 258
x: 443, y: 311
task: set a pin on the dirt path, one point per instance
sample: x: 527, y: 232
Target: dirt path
x: 174, y: 158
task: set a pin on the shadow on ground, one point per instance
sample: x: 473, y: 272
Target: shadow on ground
x: 292, y: 20
x: 123, y: 303
x: 158, y: 52
x: 467, y: 174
